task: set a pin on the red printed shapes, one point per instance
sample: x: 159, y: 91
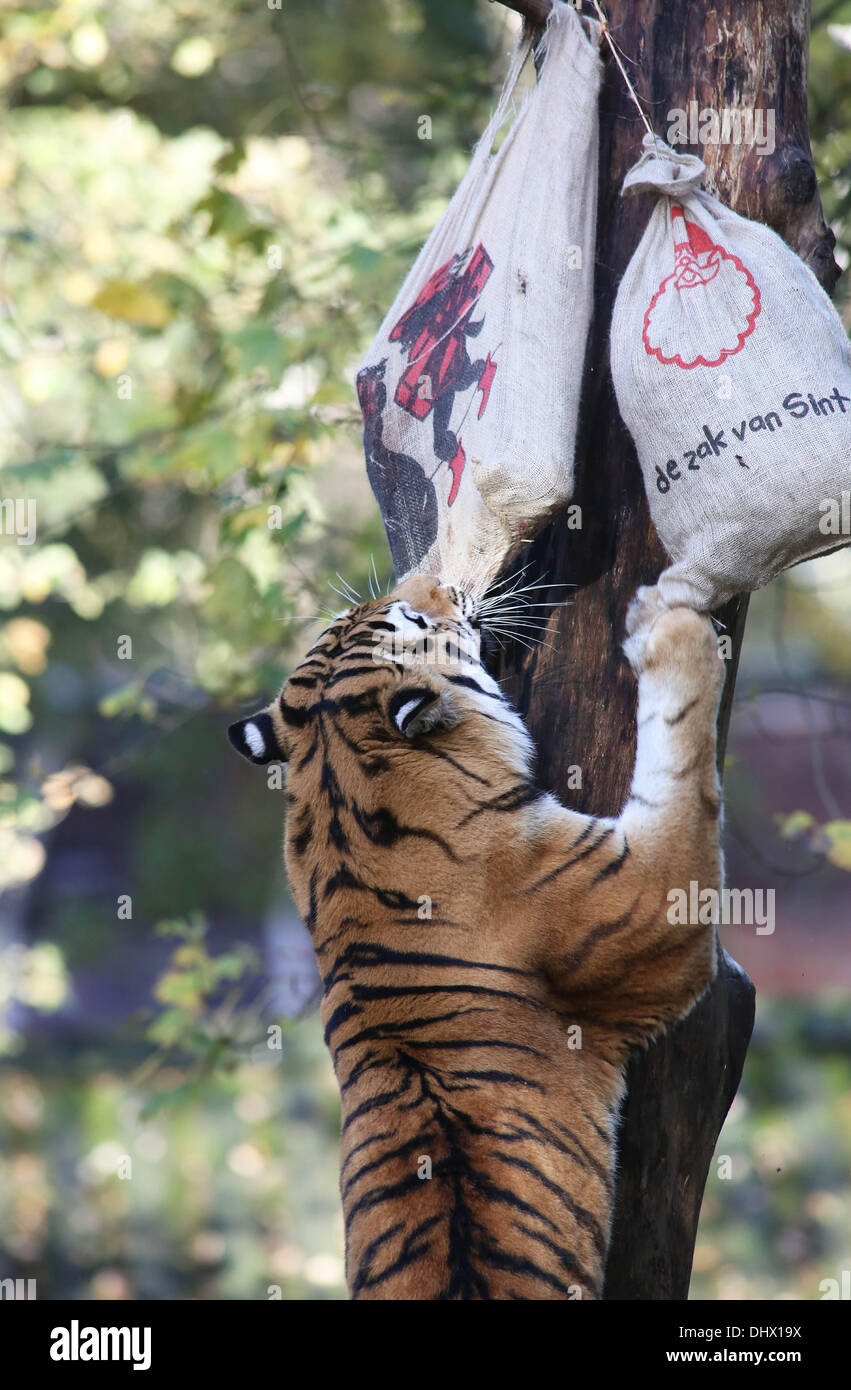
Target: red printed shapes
x: 434, y: 333
x: 704, y: 311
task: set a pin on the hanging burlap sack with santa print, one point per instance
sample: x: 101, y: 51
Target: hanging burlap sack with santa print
x: 470, y: 391
x: 733, y: 373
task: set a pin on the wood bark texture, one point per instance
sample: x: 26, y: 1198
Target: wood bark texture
x: 579, y: 699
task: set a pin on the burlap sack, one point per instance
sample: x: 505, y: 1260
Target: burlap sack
x: 470, y: 391
x: 733, y: 373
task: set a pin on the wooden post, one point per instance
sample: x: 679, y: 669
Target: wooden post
x: 579, y: 699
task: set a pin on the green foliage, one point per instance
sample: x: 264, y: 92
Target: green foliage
x: 230, y: 1193
x: 206, y: 211
x: 776, y: 1217
x: 833, y: 838
x: 829, y: 95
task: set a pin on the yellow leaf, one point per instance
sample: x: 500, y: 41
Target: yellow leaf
x: 248, y: 519
x: 26, y: 642
x: 794, y: 824
x: 837, y: 833
x: 121, y: 299
x: 111, y: 357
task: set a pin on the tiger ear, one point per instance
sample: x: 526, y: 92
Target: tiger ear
x: 418, y: 709
x: 257, y: 739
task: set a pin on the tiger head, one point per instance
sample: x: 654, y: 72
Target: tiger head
x: 384, y: 675
x: 390, y: 721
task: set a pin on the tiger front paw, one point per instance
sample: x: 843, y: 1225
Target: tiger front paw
x: 677, y: 642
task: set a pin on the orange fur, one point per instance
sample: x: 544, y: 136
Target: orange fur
x: 489, y: 957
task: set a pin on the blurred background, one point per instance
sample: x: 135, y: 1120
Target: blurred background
x: 205, y: 212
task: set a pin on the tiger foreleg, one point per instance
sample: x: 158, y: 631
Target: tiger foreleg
x: 675, y: 788
x: 671, y: 820
x: 628, y: 944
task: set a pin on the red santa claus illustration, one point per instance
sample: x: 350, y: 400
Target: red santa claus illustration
x: 704, y: 311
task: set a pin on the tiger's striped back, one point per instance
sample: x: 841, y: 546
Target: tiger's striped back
x: 488, y: 957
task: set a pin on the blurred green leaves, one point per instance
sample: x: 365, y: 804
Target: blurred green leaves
x: 199, y: 1021
x: 836, y: 842
x: 206, y: 212
x: 832, y: 838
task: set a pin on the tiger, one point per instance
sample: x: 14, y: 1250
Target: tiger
x: 488, y: 957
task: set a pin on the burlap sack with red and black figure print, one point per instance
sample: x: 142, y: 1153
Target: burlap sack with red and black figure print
x: 470, y: 391
x: 733, y: 373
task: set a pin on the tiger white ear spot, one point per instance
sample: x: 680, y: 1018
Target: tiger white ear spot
x: 417, y: 709
x: 254, y: 739
x: 406, y: 712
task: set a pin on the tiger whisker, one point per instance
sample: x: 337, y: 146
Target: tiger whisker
x: 540, y: 621
x: 515, y: 638
x: 493, y: 600
x: 529, y: 607
x: 374, y: 581
x: 509, y: 578
x: 534, y: 620
x: 346, y: 585
x: 343, y: 595
x: 532, y: 624
x: 514, y: 577
x: 525, y: 641
x: 525, y: 614
x: 509, y: 600
x: 530, y: 632
x: 475, y: 579
x: 543, y: 582
x: 528, y: 588
x: 522, y: 614
x: 472, y: 582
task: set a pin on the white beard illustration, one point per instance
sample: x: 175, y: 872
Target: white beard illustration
x: 704, y: 311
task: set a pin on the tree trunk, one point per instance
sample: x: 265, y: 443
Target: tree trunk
x: 579, y: 699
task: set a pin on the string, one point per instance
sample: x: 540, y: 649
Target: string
x: 624, y: 74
